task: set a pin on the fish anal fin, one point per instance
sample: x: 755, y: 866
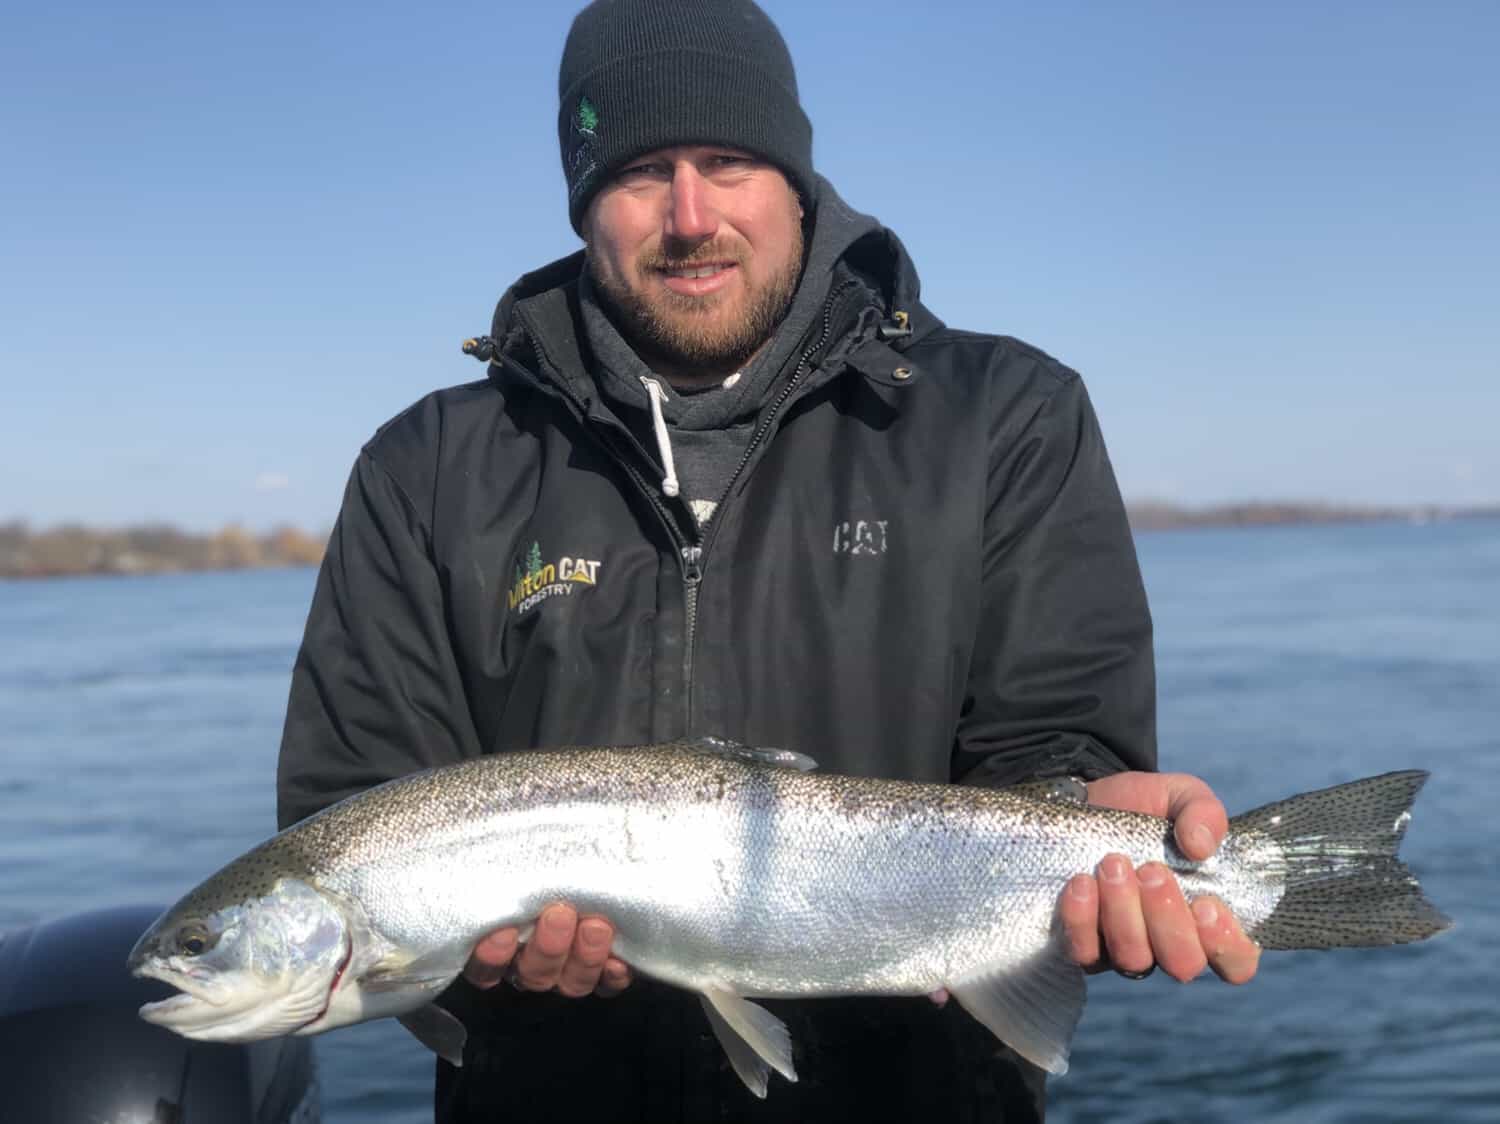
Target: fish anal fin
x: 1033, y: 1006
x: 722, y: 747
x: 438, y: 1030
x: 755, y: 1040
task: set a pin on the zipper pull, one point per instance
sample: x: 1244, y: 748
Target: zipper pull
x: 692, y: 564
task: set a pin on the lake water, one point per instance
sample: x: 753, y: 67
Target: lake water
x: 139, y: 721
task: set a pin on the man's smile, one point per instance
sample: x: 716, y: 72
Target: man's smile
x: 699, y: 279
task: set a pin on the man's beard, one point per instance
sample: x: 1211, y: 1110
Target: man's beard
x: 673, y: 329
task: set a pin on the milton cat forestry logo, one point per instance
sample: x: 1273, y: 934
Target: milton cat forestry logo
x: 537, y: 580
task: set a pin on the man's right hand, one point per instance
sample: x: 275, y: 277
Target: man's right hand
x: 566, y: 952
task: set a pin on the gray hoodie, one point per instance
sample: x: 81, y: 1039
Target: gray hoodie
x: 707, y: 430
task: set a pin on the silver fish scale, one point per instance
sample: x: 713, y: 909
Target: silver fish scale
x: 721, y: 872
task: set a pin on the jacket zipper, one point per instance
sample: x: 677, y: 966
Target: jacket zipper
x: 792, y: 383
x: 689, y: 552
x: 692, y: 577
x: 692, y: 554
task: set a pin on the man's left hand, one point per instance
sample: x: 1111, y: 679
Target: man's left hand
x: 1133, y: 920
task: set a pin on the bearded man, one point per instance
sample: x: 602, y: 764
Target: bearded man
x: 728, y: 476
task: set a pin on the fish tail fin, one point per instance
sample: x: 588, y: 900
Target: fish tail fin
x: 1344, y: 885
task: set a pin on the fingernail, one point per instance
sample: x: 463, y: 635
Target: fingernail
x: 1152, y: 875
x: 1078, y: 888
x: 1112, y: 869
x: 1204, y: 911
x: 594, y: 933
x: 1203, y: 840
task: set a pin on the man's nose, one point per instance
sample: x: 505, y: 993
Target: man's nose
x: 691, y: 216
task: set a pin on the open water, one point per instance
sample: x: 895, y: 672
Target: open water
x: 139, y: 720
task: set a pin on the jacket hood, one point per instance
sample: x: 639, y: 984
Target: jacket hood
x: 544, y: 303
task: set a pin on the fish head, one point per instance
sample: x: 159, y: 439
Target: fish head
x: 246, y: 968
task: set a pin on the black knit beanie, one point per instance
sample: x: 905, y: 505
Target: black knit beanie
x: 638, y: 75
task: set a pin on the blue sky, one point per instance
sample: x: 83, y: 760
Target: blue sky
x: 234, y: 239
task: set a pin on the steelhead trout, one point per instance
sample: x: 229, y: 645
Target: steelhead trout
x: 737, y: 874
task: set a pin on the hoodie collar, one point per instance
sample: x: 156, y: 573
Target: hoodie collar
x: 539, y: 322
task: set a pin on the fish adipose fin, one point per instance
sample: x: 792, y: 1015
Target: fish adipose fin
x: 438, y: 1030
x: 722, y: 747
x: 1033, y: 1007
x: 1344, y: 886
x: 1068, y: 790
x: 755, y: 1040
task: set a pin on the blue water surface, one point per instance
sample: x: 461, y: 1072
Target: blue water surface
x: 139, y: 721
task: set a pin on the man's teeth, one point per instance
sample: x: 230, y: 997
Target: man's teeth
x: 697, y: 271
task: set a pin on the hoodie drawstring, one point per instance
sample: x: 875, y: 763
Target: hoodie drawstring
x: 663, y: 442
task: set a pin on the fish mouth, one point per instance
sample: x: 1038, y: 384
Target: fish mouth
x: 190, y: 993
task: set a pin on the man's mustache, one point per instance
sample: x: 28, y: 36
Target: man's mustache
x: 707, y: 254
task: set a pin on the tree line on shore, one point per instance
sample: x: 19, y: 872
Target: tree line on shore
x: 1151, y: 515
x: 152, y: 549
x: 159, y: 548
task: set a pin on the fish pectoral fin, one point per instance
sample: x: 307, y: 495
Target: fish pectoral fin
x: 723, y: 747
x: 755, y: 1040
x: 431, y: 973
x: 438, y: 1030
x: 1032, y: 1006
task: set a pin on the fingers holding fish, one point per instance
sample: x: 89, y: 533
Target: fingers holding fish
x: 1122, y: 924
x: 584, y: 966
x: 1143, y: 917
x: 1234, y: 957
x: 1134, y: 921
x: 539, y: 964
x: 1079, y: 913
x: 1199, y: 820
x: 615, y: 978
x: 1175, y: 944
x: 565, y: 952
x: 490, y: 958
x: 1084, y: 922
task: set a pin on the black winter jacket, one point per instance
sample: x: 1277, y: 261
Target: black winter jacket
x: 922, y: 570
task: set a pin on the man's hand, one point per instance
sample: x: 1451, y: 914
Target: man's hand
x: 1133, y: 920
x: 566, y: 952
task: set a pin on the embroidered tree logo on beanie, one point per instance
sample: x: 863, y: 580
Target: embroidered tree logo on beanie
x: 587, y: 118
x: 673, y: 72
x: 584, y: 161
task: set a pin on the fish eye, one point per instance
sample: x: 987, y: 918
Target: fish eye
x: 194, y: 939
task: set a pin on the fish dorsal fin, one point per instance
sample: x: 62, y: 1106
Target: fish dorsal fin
x: 723, y: 747
x: 755, y: 1040
x: 1032, y: 1006
x: 1070, y: 790
x: 438, y: 1030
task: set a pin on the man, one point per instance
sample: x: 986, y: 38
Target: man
x: 728, y: 476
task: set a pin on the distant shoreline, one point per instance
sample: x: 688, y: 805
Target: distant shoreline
x: 1153, y: 516
x: 72, y: 550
